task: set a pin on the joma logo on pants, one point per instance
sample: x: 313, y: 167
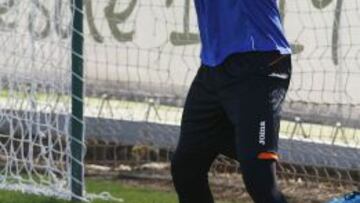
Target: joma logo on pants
x: 262, y: 133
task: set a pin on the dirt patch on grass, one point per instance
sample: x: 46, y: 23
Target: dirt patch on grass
x: 230, y: 188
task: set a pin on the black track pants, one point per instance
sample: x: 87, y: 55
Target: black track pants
x: 233, y: 109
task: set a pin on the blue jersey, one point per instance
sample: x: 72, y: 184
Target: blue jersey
x: 231, y: 26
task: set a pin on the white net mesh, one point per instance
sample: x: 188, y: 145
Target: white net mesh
x: 35, y: 96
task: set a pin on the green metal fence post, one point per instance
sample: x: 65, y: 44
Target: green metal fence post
x: 77, y: 99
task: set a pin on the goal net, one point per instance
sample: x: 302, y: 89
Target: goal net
x: 40, y: 97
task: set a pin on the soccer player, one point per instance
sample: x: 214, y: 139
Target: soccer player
x: 233, y: 104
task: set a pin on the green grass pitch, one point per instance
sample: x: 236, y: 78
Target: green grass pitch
x: 130, y: 194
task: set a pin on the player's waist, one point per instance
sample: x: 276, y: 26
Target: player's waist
x: 213, y: 58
